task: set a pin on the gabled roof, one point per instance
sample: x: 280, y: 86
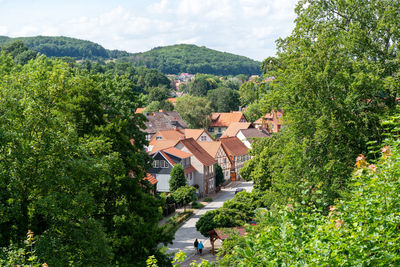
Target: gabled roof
x: 150, y: 178
x: 234, y: 146
x: 234, y: 128
x: 189, y: 169
x: 198, y: 151
x: 176, y: 152
x: 174, y: 134
x: 172, y: 100
x: 195, y: 133
x: 210, y: 147
x: 158, y: 145
x: 254, y: 133
x: 225, y: 119
x: 158, y: 121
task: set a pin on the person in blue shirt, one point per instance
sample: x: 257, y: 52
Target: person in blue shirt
x: 200, y: 247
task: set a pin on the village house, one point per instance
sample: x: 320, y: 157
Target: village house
x: 272, y: 121
x: 163, y: 162
x: 247, y: 135
x: 221, y: 121
x: 204, y: 178
x: 216, y: 150
x: 234, y: 128
x: 178, y: 134
x: 158, y: 121
x: 237, y: 153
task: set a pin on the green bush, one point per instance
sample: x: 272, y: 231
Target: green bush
x: 197, y: 205
x: 208, y: 199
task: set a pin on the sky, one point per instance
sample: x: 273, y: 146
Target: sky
x: 244, y: 27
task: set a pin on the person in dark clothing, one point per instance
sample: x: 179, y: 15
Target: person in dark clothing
x: 200, y: 246
x: 196, y: 244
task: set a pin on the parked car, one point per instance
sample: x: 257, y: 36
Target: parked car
x: 238, y: 190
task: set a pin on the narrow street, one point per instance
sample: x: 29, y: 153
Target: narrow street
x: 187, y: 233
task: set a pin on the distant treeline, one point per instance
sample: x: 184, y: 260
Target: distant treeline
x: 169, y: 60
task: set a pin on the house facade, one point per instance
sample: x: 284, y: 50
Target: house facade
x: 247, y: 136
x: 164, y: 161
x: 272, y: 121
x: 221, y: 121
x: 218, y: 153
x: 237, y: 153
x: 202, y: 162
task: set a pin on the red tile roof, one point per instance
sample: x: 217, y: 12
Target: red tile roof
x: 168, y: 158
x: 150, y: 178
x: 225, y: 119
x: 198, y: 151
x: 176, y: 152
x: 234, y: 146
x: 172, y: 100
x: 210, y: 147
x: 174, y: 134
x: 189, y: 169
x: 235, y: 127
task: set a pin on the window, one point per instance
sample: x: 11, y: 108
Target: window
x: 148, y: 137
x: 219, y: 129
x: 211, y: 130
x: 164, y: 164
x: 158, y: 137
x: 203, y: 138
x: 156, y: 164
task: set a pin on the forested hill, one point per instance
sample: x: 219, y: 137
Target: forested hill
x: 194, y: 59
x: 64, y: 47
x: 173, y: 59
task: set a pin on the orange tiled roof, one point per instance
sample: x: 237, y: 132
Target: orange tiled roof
x: 158, y: 145
x: 225, y: 119
x: 193, y: 133
x: 234, y: 146
x: 140, y: 110
x: 172, y: 100
x: 175, y: 134
x: 210, y: 147
x: 198, y: 151
x: 235, y: 127
x: 150, y: 178
x: 176, y: 152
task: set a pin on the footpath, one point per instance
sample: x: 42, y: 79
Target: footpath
x: 187, y: 233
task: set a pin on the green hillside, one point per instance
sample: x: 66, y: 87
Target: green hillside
x: 173, y: 59
x: 194, y: 59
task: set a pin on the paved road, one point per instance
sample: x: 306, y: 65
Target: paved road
x: 186, y: 235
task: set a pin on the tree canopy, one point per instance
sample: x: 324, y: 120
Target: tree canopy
x: 195, y: 111
x: 65, y: 156
x: 177, y: 177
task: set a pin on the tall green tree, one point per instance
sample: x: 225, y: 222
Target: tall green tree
x: 178, y: 178
x: 65, y: 155
x: 336, y: 76
x: 195, y: 111
x: 219, y: 175
x: 223, y: 99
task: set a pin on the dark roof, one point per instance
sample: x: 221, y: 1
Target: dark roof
x: 158, y: 121
x: 255, y: 133
x: 198, y: 151
x: 234, y: 146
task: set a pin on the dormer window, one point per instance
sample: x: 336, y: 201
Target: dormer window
x: 158, y: 137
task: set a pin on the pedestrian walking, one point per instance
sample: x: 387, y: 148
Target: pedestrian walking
x: 200, y: 246
x: 196, y: 244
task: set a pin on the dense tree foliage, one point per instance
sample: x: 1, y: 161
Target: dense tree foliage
x: 178, y: 178
x: 219, y: 175
x: 223, y: 99
x: 336, y: 76
x: 169, y: 60
x: 65, y: 155
x: 195, y: 111
x: 184, y: 194
x: 360, y: 229
x: 193, y: 59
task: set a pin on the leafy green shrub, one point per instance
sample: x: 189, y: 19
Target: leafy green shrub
x: 208, y: 199
x: 197, y: 205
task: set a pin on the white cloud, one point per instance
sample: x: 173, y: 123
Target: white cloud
x: 3, y: 30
